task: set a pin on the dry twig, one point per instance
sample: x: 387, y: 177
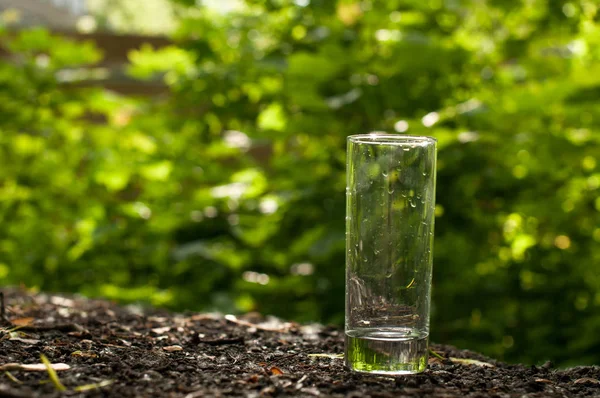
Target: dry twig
x: 34, y: 367
x: 3, y: 309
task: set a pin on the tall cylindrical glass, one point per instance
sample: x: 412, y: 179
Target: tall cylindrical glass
x: 390, y: 204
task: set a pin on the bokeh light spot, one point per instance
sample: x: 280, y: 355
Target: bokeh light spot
x: 563, y: 242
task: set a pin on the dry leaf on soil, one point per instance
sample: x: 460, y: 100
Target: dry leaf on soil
x: 22, y: 321
x: 465, y: 361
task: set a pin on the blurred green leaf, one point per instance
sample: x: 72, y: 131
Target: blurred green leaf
x: 272, y: 118
x: 228, y: 193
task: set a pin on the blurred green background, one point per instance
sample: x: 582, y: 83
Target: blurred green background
x: 211, y: 174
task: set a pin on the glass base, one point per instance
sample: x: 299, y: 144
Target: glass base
x: 389, y: 351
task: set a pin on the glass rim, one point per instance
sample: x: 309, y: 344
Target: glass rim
x: 391, y: 139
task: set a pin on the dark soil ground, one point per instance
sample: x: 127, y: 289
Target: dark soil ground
x: 114, y: 351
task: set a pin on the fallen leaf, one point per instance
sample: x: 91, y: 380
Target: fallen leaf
x: 172, y: 348
x: 158, y: 319
x: 275, y: 371
x: 22, y: 321
x: 465, y: 361
x: 202, y: 317
x: 79, y: 334
x: 273, y: 325
x: 161, y: 330
x: 84, y: 354
x: 267, y: 391
x: 585, y: 380
x: 332, y: 356
x: 196, y: 394
x: 543, y: 381
x: 311, y: 390
x: 26, y: 341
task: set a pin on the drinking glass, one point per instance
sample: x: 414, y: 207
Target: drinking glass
x: 390, y: 204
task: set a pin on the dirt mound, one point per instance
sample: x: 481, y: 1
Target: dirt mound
x: 101, y: 349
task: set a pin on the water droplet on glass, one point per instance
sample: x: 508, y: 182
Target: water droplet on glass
x: 412, y: 203
x: 391, y: 191
x: 406, y: 149
x: 384, y: 173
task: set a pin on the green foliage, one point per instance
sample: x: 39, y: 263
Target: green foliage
x: 230, y: 193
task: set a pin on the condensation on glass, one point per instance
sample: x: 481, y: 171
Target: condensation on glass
x: 390, y: 204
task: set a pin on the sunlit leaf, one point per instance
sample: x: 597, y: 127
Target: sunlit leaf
x: 272, y: 118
